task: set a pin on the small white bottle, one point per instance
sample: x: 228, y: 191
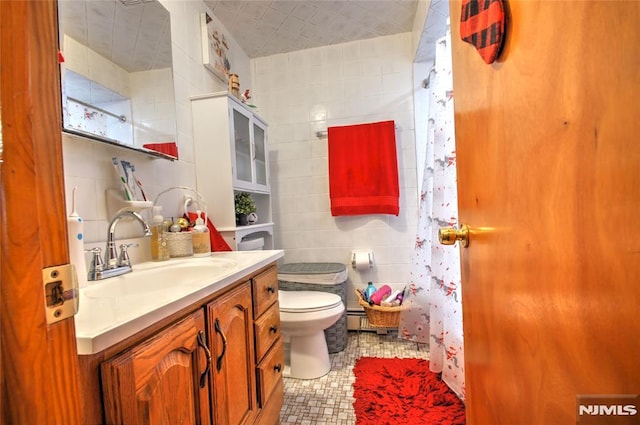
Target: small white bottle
x: 75, y: 234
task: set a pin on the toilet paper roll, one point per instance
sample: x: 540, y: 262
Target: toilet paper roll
x: 362, y: 260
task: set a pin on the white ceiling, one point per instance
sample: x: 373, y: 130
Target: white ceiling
x: 261, y: 27
x: 268, y: 27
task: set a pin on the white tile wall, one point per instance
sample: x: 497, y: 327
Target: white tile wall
x: 304, y: 91
x: 85, y: 61
x: 153, y: 103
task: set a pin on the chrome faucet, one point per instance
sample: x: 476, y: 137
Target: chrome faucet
x: 113, y: 264
x: 111, y: 255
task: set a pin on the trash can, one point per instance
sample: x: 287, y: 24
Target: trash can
x: 322, y: 277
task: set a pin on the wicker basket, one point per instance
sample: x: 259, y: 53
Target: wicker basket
x: 180, y: 244
x: 380, y: 317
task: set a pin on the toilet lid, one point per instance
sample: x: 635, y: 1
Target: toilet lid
x: 306, y: 301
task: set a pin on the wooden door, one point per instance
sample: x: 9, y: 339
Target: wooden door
x: 38, y: 362
x: 549, y: 182
x: 230, y: 321
x: 161, y: 381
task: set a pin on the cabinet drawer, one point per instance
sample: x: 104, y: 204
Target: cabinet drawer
x: 267, y: 330
x: 265, y: 290
x: 270, y: 371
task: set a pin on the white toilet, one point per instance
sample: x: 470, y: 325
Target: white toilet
x: 304, y: 315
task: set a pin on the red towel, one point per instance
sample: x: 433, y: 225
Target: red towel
x: 363, y: 169
x: 169, y: 148
x: 217, y: 241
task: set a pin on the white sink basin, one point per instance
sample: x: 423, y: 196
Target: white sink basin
x: 152, y: 278
x: 116, y: 308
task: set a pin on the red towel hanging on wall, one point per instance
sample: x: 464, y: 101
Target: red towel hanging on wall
x: 363, y: 169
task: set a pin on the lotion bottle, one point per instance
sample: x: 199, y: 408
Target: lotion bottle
x: 201, y: 238
x: 159, y: 247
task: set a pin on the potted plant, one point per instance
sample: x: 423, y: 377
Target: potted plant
x: 244, y: 206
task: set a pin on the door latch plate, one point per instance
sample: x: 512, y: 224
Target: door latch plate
x: 61, y: 294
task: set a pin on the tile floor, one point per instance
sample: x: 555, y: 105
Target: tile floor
x: 329, y: 400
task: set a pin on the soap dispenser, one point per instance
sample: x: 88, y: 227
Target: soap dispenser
x: 201, y: 237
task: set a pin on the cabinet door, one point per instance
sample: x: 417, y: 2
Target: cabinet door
x: 233, y: 376
x: 260, y: 154
x: 249, y: 140
x: 162, y: 380
x: 243, y: 155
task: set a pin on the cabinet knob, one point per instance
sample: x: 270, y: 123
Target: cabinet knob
x: 278, y: 367
x: 271, y: 289
x: 273, y: 329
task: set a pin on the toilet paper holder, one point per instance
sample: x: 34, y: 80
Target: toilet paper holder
x: 355, y: 254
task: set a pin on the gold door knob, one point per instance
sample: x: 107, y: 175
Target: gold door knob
x: 449, y: 235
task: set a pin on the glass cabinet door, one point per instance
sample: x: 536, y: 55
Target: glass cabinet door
x: 249, y: 150
x: 242, y: 135
x: 259, y: 141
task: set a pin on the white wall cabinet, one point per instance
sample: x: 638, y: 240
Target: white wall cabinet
x: 231, y: 155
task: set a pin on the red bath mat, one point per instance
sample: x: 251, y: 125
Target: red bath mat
x: 403, y: 391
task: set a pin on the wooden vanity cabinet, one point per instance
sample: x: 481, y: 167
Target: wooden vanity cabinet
x: 162, y: 380
x: 218, y: 361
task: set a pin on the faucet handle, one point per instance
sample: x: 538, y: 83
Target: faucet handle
x: 97, y: 265
x: 123, y: 258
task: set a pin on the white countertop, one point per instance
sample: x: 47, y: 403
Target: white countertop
x: 113, y: 309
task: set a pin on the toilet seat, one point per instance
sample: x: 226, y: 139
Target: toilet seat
x: 307, y: 301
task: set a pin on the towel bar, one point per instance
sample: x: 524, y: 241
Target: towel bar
x: 320, y: 134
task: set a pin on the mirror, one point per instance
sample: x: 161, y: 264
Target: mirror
x: 117, y: 77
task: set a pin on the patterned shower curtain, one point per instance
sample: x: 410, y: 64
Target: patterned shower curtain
x: 434, y: 303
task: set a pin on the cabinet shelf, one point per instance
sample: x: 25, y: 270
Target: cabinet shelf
x: 116, y: 203
x: 235, y: 235
x: 248, y: 229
